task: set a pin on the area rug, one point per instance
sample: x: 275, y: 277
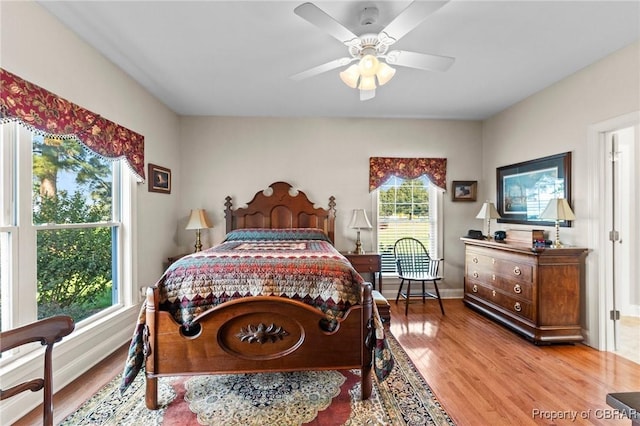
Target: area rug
x: 292, y: 398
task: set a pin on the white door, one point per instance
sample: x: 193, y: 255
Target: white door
x: 621, y: 183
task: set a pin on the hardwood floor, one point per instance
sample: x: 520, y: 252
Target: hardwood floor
x: 482, y: 373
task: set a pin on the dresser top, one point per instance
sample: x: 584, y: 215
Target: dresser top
x: 519, y: 248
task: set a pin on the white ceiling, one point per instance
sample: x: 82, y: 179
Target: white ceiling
x: 234, y: 58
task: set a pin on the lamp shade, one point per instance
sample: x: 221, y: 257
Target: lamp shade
x: 359, y: 220
x: 350, y: 76
x: 488, y: 211
x: 364, y: 74
x: 384, y: 73
x: 367, y: 83
x: 558, y: 209
x: 198, y: 220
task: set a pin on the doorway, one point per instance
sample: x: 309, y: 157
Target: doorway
x: 620, y: 179
x: 612, y: 296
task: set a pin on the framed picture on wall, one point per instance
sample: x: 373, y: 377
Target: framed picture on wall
x: 525, y: 189
x: 464, y: 190
x: 159, y: 179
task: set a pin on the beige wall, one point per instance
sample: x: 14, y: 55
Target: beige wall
x: 321, y: 156
x: 55, y: 58
x: 37, y: 47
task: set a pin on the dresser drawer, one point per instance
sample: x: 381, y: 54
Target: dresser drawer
x: 518, y: 289
x: 496, y: 297
x: 365, y: 262
x: 488, y: 265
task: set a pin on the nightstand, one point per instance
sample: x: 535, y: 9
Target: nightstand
x: 367, y: 263
x: 172, y: 259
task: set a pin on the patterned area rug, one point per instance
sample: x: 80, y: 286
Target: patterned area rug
x: 295, y: 398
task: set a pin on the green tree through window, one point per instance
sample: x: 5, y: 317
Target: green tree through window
x: 72, y: 186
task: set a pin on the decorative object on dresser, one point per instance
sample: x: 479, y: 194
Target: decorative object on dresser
x: 359, y: 221
x: 488, y: 212
x: 370, y: 263
x: 524, y: 189
x: 524, y: 237
x: 464, y: 190
x: 413, y: 263
x: 558, y: 210
x: 535, y: 292
x: 198, y: 220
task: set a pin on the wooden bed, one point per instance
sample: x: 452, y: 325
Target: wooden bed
x: 262, y: 333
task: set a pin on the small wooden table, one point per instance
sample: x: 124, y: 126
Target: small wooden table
x: 172, y: 259
x: 367, y: 263
x: 627, y: 403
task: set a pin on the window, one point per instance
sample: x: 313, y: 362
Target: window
x: 61, y: 228
x: 407, y: 208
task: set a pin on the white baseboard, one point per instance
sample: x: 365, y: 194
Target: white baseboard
x: 72, y: 357
x: 390, y: 290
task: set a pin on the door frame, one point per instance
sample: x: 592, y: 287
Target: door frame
x: 599, y: 299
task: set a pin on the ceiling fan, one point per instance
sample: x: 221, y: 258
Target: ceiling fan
x: 371, y: 50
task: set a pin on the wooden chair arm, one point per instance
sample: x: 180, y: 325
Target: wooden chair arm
x: 46, y: 331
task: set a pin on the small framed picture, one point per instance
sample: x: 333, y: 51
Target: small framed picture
x: 464, y: 190
x: 159, y: 179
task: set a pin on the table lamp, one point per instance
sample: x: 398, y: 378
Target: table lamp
x: 488, y: 212
x: 198, y: 220
x: 558, y: 209
x: 359, y: 221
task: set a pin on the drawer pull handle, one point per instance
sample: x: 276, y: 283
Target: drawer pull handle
x: 475, y: 259
x: 475, y: 274
x: 493, y: 260
x: 517, y: 307
x: 494, y: 293
x: 493, y: 277
x: 474, y: 288
x: 517, y: 270
x: 517, y: 288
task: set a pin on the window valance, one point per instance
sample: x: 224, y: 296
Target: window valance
x: 56, y: 117
x: 382, y: 168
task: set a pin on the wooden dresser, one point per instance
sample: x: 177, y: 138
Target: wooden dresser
x: 535, y: 293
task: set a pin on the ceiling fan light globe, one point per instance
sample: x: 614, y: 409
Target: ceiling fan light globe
x: 367, y: 83
x: 368, y: 65
x: 385, y: 73
x: 350, y: 76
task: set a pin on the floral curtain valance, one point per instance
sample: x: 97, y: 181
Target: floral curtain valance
x: 53, y: 116
x: 382, y: 168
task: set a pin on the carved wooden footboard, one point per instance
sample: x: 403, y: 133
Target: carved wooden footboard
x: 257, y: 334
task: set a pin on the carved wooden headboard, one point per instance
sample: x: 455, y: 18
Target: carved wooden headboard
x: 283, y: 208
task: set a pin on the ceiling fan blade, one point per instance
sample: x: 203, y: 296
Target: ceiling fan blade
x: 408, y: 19
x: 320, y: 19
x: 423, y: 61
x: 336, y: 63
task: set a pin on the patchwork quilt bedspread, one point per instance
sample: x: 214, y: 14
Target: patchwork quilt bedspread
x: 299, y: 264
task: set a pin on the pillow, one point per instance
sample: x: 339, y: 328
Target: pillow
x: 286, y: 234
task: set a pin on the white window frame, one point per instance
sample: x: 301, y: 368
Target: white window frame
x: 19, y: 283
x: 436, y: 218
